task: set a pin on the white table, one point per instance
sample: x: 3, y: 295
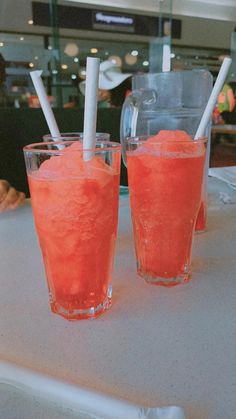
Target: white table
x: 155, y: 346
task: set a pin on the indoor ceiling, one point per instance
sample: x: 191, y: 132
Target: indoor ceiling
x: 15, y: 49
x: 211, y: 9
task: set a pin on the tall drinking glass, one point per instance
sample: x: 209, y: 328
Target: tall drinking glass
x: 75, y: 208
x: 165, y: 180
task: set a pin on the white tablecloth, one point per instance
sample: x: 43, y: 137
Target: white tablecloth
x: 155, y: 346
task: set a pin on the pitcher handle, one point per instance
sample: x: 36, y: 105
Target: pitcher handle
x: 138, y: 99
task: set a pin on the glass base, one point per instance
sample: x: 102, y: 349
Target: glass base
x: 79, y: 314
x: 163, y: 281
x: 201, y: 226
x: 203, y: 230
x: 201, y: 221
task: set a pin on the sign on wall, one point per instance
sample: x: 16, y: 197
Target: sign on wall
x: 81, y: 18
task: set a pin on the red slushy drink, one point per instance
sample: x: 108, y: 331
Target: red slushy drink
x: 75, y: 207
x: 165, y: 177
x: 202, y: 217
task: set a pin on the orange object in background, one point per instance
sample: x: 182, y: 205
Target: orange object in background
x: 33, y: 101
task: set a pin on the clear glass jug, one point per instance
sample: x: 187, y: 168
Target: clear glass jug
x: 167, y: 101
x: 170, y: 100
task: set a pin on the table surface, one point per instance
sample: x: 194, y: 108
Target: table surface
x: 155, y: 346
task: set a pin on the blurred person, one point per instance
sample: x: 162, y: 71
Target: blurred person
x: 119, y: 93
x: 73, y: 102
x: 226, y: 99
x: 225, y: 106
x: 224, y: 114
x: 113, y: 85
x: 10, y: 198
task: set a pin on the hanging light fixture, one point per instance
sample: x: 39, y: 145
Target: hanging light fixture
x: 71, y: 49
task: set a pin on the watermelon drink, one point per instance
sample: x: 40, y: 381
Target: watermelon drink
x: 75, y: 208
x: 165, y: 175
x: 202, y: 217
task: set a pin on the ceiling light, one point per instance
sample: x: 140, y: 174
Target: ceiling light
x: 93, y: 50
x: 31, y: 65
x: 22, y: 38
x: 145, y: 63
x: 1, y: 44
x: 115, y: 59
x: 73, y: 76
x: 76, y: 60
x: 64, y: 66
x: 30, y: 22
x: 54, y: 71
x: 134, y: 53
x: 82, y: 73
x: 130, y: 59
x: 49, y: 47
x: 71, y: 49
x: 222, y: 57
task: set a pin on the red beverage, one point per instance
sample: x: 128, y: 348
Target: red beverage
x: 201, y: 218
x: 75, y: 207
x: 165, y: 176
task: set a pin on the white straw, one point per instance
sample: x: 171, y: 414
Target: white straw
x: 45, y: 105
x: 90, y: 106
x: 213, y: 97
x: 80, y: 399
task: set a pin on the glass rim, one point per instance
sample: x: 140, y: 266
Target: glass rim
x: 141, y: 139
x: 40, y: 147
x: 74, y: 134
x: 174, y: 72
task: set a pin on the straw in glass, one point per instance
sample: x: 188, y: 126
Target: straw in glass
x: 213, y: 97
x: 90, y: 106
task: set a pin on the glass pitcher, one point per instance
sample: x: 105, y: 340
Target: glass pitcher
x: 168, y: 101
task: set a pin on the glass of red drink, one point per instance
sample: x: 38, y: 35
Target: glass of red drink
x: 75, y: 208
x: 165, y: 175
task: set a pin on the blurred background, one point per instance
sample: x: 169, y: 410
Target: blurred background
x: 57, y: 36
